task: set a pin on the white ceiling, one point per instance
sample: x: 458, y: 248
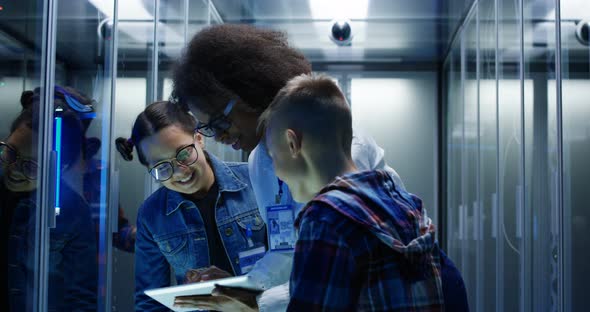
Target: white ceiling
x: 391, y: 31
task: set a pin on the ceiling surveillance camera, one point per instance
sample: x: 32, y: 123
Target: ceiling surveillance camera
x: 583, y: 32
x: 341, y: 32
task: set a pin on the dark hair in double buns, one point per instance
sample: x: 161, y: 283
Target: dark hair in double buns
x: 73, y: 127
x: 25, y: 117
x: 154, y: 118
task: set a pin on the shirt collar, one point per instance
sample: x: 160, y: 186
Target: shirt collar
x: 224, y: 176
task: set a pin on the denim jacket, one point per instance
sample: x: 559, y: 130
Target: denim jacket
x: 72, y: 274
x: 171, y: 232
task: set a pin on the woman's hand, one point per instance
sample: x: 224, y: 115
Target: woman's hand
x: 205, y: 274
x: 222, y: 298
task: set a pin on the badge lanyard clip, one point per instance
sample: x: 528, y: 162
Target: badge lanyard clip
x: 280, y: 194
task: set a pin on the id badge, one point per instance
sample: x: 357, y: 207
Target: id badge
x: 280, y: 227
x: 249, y: 257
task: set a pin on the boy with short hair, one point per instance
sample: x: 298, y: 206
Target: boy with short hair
x: 364, y: 243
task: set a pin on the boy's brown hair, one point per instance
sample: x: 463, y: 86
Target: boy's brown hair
x: 314, y: 105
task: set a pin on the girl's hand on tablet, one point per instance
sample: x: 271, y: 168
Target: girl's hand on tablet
x: 205, y: 274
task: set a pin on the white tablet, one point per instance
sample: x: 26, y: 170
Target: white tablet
x: 166, y: 295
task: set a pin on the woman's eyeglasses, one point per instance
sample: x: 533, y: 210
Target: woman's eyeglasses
x: 9, y: 156
x: 164, y: 170
x: 217, y: 124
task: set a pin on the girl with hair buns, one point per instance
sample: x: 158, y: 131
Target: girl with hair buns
x: 204, y: 215
x: 72, y: 269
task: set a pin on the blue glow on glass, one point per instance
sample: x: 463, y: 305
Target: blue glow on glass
x: 58, y: 130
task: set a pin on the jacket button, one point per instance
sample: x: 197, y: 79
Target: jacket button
x: 238, y: 260
x: 229, y: 231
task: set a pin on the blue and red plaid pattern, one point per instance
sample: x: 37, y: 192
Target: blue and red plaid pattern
x: 364, y: 245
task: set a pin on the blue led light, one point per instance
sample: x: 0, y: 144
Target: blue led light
x: 58, y: 130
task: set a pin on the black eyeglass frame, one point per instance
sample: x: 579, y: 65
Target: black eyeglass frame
x: 171, y: 162
x: 20, y: 160
x: 218, y: 123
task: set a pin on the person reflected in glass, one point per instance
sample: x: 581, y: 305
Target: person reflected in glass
x: 91, y: 169
x: 201, y: 218
x: 72, y: 270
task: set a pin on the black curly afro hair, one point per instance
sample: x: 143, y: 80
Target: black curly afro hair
x: 235, y: 60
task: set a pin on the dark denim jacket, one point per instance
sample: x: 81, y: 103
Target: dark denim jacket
x: 171, y: 233
x: 72, y: 275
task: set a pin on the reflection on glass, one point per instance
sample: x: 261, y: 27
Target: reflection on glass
x: 18, y: 213
x: 539, y: 266
x: 575, y: 70
x: 516, y: 220
x: 470, y: 213
x: 456, y: 10
x: 576, y: 152
x: 455, y: 142
x: 21, y: 35
x: 83, y: 58
x: 487, y: 233
x: 72, y: 272
x: 509, y: 144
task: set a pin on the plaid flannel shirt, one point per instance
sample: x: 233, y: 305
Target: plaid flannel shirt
x: 364, y: 245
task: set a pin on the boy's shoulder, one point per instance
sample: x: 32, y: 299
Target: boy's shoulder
x: 320, y: 211
x: 324, y: 223
x: 325, y: 212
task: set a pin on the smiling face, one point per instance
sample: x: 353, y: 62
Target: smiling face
x: 241, y: 135
x: 195, y: 179
x: 14, y: 179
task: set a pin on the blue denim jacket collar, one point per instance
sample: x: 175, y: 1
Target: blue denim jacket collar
x: 226, y: 180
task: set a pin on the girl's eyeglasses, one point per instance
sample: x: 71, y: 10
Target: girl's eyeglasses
x: 164, y: 170
x: 9, y: 156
